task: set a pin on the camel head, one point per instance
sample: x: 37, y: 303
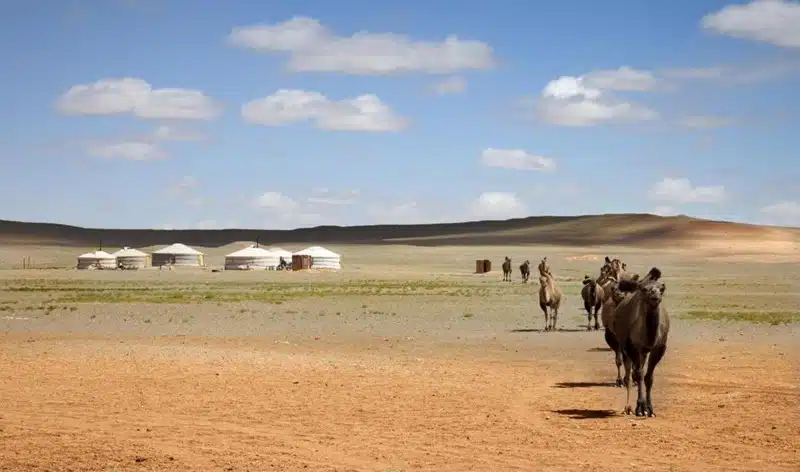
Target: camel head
x: 650, y: 287
x: 608, y: 260
x: 586, y: 279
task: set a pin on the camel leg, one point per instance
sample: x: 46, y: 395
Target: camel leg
x: 627, y: 410
x: 638, y: 373
x: 596, y: 322
x: 655, y: 357
x: 611, y: 340
x: 546, y: 317
x: 554, y: 317
x: 588, y: 309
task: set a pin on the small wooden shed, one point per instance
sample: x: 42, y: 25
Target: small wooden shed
x: 301, y: 261
x: 482, y: 266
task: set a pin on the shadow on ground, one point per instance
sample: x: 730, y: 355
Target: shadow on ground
x: 599, y: 349
x: 539, y: 330
x: 583, y: 384
x: 579, y: 414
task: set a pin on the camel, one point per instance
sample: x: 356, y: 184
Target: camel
x: 612, y: 298
x: 611, y: 272
x: 525, y: 270
x: 507, y: 270
x: 544, y: 268
x: 550, y: 296
x: 641, y: 327
x: 593, y: 296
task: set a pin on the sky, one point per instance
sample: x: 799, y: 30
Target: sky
x: 284, y: 114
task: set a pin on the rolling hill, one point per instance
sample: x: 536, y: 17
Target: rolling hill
x: 641, y: 230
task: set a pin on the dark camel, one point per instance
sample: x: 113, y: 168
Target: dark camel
x: 641, y: 326
x: 507, y: 270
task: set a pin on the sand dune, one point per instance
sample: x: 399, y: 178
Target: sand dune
x: 640, y: 230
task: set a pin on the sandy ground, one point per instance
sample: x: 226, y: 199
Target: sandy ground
x: 388, y: 382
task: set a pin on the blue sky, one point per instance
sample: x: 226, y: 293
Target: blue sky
x: 206, y: 114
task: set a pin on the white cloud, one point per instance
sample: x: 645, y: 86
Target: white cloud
x: 706, y: 122
x: 680, y: 191
x: 623, y: 79
x: 498, y: 205
x: 207, y: 224
x: 313, y: 48
x: 143, y: 147
x: 450, y: 85
x: 186, y: 184
x: 276, y: 201
x: 771, y: 21
x: 186, y: 189
x: 174, y: 133
x: 363, y: 113
x: 323, y: 196
x: 698, y: 73
x: 396, y: 213
x: 136, y: 97
x: 664, y: 210
x: 516, y: 159
x: 785, y: 213
x: 128, y: 150
x: 587, y: 100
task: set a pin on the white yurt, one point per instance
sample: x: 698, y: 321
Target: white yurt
x: 251, y: 257
x: 322, y: 258
x: 280, y: 252
x: 130, y: 258
x: 97, y: 260
x: 177, y: 254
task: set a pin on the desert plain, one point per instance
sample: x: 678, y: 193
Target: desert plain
x: 404, y: 361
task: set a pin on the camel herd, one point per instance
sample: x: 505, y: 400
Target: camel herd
x: 635, y: 321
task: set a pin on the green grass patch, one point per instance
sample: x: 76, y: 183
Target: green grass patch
x: 760, y: 317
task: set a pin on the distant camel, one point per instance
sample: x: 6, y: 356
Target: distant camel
x: 612, y: 271
x: 593, y: 296
x: 550, y: 296
x: 507, y: 270
x: 544, y: 268
x: 525, y: 270
x: 641, y: 326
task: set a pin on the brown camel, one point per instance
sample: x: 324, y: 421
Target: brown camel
x: 507, y: 270
x: 612, y: 271
x: 550, y: 297
x: 525, y: 270
x: 544, y: 268
x: 593, y: 296
x: 641, y: 326
x: 612, y: 298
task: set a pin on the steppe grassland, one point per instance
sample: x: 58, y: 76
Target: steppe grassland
x: 381, y: 277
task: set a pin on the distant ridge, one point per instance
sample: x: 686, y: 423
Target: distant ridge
x: 609, y: 229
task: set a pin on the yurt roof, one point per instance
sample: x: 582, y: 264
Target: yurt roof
x: 252, y: 251
x: 96, y: 255
x: 280, y: 251
x: 129, y: 252
x: 317, y: 251
x: 177, y: 248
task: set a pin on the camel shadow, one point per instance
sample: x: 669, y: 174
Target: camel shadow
x: 599, y: 349
x: 583, y: 384
x: 539, y: 330
x: 581, y: 414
